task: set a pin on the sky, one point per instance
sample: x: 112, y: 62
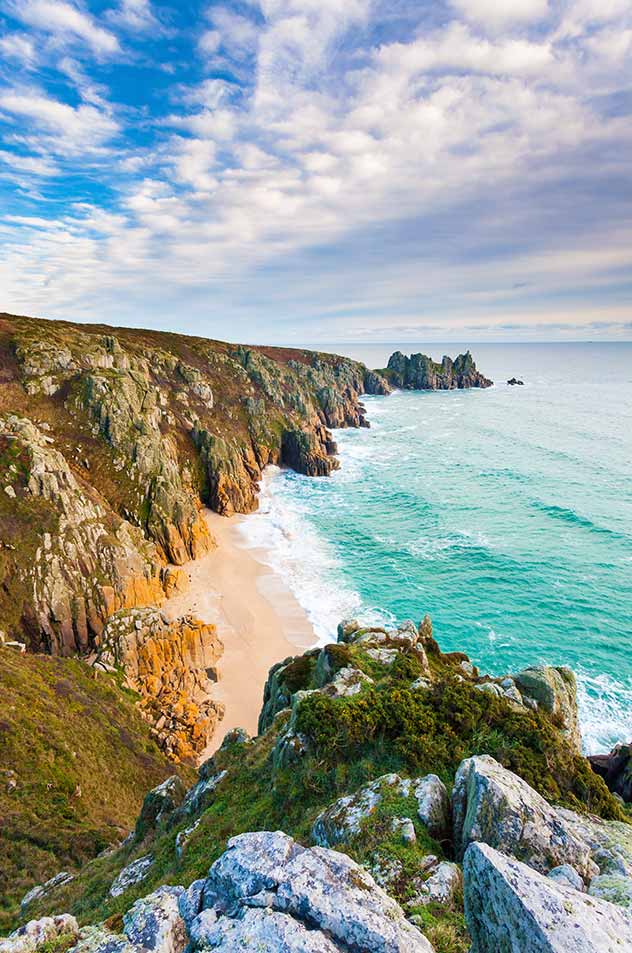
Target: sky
x: 310, y: 171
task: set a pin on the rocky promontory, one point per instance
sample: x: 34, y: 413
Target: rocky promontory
x: 396, y: 800
x: 419, y: 372
x: 111, y: 440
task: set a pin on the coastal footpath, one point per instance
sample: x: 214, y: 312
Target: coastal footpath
x: 394, y: 800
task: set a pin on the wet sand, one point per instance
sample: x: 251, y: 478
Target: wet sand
x: 257, y: 618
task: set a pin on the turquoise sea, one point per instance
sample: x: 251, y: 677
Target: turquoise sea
x: 505, y: 513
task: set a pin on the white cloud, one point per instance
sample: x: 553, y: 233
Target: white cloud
x: 20, y: 47
x: 458, y: 49
x: 235, y: 34
x: 33, y: 165
x: 135, y: 15
x: 63, y: 129
x: 497, y: 14
x: 65, y: 21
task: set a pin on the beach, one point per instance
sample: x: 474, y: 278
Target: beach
x: 257, y: 617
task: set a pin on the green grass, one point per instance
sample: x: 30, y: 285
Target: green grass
x: 81, y: 759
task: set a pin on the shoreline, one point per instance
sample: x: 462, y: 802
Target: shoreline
x: 257, y: 617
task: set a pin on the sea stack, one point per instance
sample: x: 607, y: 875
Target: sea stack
x: 419, y: 372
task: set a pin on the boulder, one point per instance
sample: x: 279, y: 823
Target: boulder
x: 567, y: 876
x: 98, y: 939
x: 158, y: 805
x: 155, y: 922
x: 263, y: 930
x: 35, y: 933
x: 343, y: 820
x: 495, y: 806
x: 442, y: 886
x: 433, y: 805
x: 41, y: 891
x: 554, y: 690
x: 322, y: 890
x: 133, y: 874
x: 190, y: 902
x: 509, y: 907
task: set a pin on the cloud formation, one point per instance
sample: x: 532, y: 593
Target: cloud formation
x: 311, y: 170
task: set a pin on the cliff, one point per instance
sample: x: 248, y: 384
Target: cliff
x: 419, y: 372
x: 411, y: 797
x: 112, y: 439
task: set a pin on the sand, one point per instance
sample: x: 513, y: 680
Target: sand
x: 257, y: 617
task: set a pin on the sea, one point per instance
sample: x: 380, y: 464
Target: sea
x: 506, y: 514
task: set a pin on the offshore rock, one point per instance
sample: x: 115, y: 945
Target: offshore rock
x: 419, y: 372
x: 616, y: 770
x: 168, y: 664
x: 495, y: 806
x: 510, y: 907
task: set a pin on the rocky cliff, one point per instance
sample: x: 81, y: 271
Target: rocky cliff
x: 395, y: 800
x: 112, y: 439
x: 419, y: 372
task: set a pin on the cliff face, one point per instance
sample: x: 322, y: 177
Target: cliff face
x: 419, y: 372
x: 110, y: 442
x: 172, y: 666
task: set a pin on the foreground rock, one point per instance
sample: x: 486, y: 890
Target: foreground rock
x: 296, y: 889
x: 344, y: 819
x: 419, y: 372
x: 511, y: 908
x: 495, y: 806
x: 35, y: 933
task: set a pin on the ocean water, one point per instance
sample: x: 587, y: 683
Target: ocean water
x: 506, y: 514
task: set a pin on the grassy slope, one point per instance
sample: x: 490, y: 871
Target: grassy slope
x: 386, y: 727
x: 81, y: 758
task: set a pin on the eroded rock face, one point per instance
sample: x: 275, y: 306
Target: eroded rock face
x: 492, y: 805
x: 511, y: 907
x: 168, y: 664
x: 419, y: 372
x: 87, y: 562
x: 312, y: 887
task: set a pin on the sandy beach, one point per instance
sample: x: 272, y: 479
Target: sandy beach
x: 258, y: 619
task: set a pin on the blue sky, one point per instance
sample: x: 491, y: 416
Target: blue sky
x: 309, y: 171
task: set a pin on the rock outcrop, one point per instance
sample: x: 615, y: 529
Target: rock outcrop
x: 172, y: 665
x: 419, y: 372
x: 616, y: 770
x: 295, y: 891
x: 495, y: 806
x: 509, y: 906
x: 84, y: 562
x: 36, y: 933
